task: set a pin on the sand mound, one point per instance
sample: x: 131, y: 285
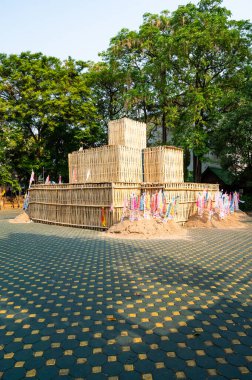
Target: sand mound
x: 146, y: 229
x: 235, y: 220
x: 21, y: 218
x: 157, y: 229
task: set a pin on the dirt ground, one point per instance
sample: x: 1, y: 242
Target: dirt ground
x: 157, y: 229
x: 235, y: 220
x: 146, y: 228
x: 154, y: 228
x: 21, y: 218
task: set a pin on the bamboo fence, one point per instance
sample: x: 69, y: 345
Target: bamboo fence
x: 82, y: 205
x: 163, y: 164
x: 127, y: 132
x: 96, y: 206
x: 106, y: 164
x: 186, y: 194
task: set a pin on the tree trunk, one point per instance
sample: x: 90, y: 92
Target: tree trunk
x: 196, y: 169
x: 187, y: 157
x: 164, y: 130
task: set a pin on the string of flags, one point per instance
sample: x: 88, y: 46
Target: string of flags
x: 147, y: 206
x: 224, y: 203
x: 48, y: 181
x: 158, y: 206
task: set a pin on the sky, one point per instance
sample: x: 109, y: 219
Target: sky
x: 81, y: 28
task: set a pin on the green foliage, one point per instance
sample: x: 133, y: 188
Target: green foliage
x: 181, y: 72
x: 232, y: 138
x: 247, y: 205
x: 187, y: 74
x: 46, y: 111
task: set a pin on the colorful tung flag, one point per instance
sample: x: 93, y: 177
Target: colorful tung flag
x: 74, y: 175
x: 31, y: 178
x: 47, y: 181
x: 103, y: 218
x: 60, y: 180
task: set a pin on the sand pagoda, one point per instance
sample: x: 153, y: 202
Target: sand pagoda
x: 102, y: 179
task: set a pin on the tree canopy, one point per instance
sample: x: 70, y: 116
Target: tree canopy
x: 46, y: 111
x: 181, y: 71
x: 187, y: 74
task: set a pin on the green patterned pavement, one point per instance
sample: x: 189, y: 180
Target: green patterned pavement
x: 75, y: 304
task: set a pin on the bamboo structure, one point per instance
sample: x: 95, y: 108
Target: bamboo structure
x: 163, y: 164
x: 103, y: 179
x: 106, y: 164
x: 127, y: 132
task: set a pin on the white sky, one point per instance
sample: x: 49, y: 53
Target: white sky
x: 81, y: 28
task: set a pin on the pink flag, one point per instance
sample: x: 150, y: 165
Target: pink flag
x: 74, y: 175
x: 47, y: 181
x: 60, y: 179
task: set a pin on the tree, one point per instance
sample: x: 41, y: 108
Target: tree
x: 210, y: 54
x: 232, y: 139
x: 183, y: 70
x: 107, y: 83
x: 46, y: 111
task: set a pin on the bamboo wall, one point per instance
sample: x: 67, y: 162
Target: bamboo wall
x: 81, y: 205
x: 106, y: 164
x: 187, y: 194
x: 163, y: 164
x: 127, y: 132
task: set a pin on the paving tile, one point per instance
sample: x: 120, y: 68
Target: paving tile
x: 112, y: 369
x: 228, y: 371
x: 75, y: 304
x: 196, y: 373
x: 128, y: 357
x: 47, y: 372
x: 14, y: 374
x: 144, y: 366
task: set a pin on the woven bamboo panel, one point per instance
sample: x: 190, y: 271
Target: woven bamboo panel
x: 106, y: 164
x: 127, y: 132
x: 163, y: 164
x: 68, y: 215
x: 81, y: 205
x: 122, y: 191
x: 96, y: 206
x: 186, y: 194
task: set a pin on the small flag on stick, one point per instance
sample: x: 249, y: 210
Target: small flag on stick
x: 31, y: 178
x: 103, y: 217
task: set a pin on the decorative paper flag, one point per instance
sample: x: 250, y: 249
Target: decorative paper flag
x: 47, y: 181
x: 74, y: 175
x: 87, y: 176
x: 103, y: 218
x: 60, y: 179
x: 31, y: 178
x: 26, y: 202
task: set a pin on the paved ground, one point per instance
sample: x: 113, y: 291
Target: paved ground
x: 75, y: 304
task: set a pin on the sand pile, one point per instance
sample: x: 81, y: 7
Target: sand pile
x: 21, y: 218
x: 146, y: 229
x: 235, y: 220
x: 157, y: 229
